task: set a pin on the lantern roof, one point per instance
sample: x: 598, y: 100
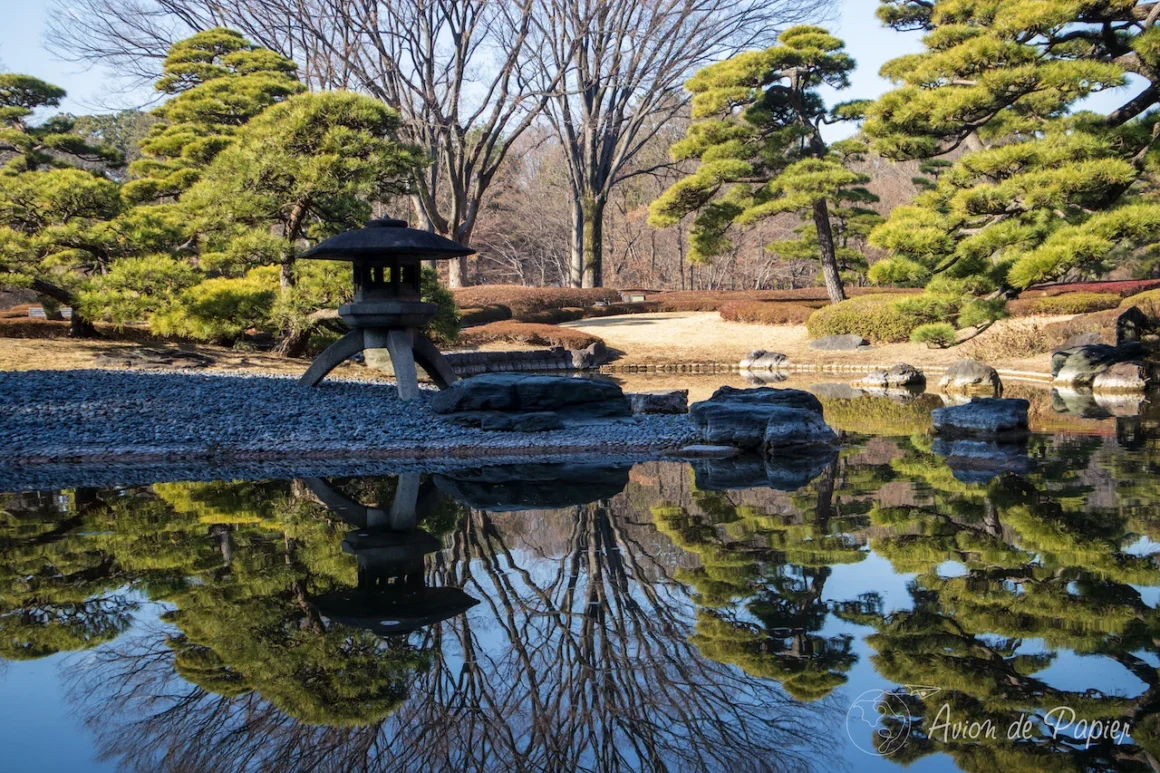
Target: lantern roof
x: 384, y: 241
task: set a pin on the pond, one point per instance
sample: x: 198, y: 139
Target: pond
x: 891, y: 606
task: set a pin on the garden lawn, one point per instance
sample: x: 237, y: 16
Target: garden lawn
x: 703, y: 337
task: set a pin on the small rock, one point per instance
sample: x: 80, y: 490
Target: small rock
x: 593, y: 356
x: 763, y: 360
x: 971, y: 377
x: 669, y: 402
x: 987, y: 416
x: 841, y: 343
x: 900, y: 376
x: 1123, y: 377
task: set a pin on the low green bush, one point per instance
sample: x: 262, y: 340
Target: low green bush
x: 878, y: 318
x: 937, y: 335
x: 1078, y: 303
x: 1147, y: 302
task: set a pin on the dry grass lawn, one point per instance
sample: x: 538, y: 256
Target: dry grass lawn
x: 704, y: 337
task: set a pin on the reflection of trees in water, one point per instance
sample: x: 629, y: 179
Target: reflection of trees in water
x: 1044, y: 570
x: 574, y: 661
x: 762, y: 575
x: 58, y: 591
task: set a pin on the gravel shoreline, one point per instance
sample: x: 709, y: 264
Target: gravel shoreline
x: 60, y: 419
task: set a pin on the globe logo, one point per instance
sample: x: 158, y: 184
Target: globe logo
x: 878, y: 722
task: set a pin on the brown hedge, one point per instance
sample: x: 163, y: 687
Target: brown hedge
x: 481, y: 315
x: 525, y: 300
x: 1069, y: 303
x: 766, y: 312
x: 530, y: 333
x: 713, y: 300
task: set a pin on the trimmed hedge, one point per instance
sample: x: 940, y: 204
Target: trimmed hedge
x: 552, y: 316
x: 766, y: 312
x: 1123, y: 288
x: 877, y: 318
x: 1147, y: 302
x: 713, y: 300
x: 525, y: 300
x: 1074, y: 303
x: 528, y: 333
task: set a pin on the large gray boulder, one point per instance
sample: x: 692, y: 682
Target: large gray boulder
x: 987, y: 416
x: 763, y: 360
x: 787, y: 429
x: 742, y: 418
x: 524, y: 402
x: 900, y: 376
x: 673, y: 401
x: 971, y: 377
x: 841, y: 343
x: 1079, y: 365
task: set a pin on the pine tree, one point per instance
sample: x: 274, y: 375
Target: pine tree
x: 759, y: 152
x: 56, y: 220
x: 1043, y: 190
x: 216, y: 81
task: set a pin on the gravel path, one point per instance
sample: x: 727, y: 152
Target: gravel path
x: 101, y: 416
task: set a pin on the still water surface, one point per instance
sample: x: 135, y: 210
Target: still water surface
x: 856, y: 613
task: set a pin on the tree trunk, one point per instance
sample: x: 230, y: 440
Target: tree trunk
x: 576, y: 256
x: 294, y: 344
x: 593, y: 210
x: 830, y: 273
x: 457, y: 272
x: 79, y: 326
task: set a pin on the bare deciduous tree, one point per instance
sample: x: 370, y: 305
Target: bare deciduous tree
x: 626, y: 63
x: 457, y: 70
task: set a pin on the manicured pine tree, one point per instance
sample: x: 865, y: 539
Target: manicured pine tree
x: 1040, y: 189
x: 758, y: 148
x: 216, y: 81
x: 56, y: 226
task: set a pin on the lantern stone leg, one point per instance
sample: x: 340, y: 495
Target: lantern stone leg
x: 407, y: 348
x: 334, y: 355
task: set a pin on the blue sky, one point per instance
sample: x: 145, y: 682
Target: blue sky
x: 92, y: 89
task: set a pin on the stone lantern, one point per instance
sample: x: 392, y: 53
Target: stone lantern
x: 393, y: 595
x: 387, y: 312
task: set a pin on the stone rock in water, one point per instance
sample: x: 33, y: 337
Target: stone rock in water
x: 988, y: 416
x: 523, y: 402
x: 1080, y: 365
x: 742, y: 418
x: 971, y: 377
x: 1123, y: 377
x: 763, y: 360
x: 900, y: 376
x: 592, y: 356
x: 789, y: 428
x: 842, y: 343
x: 675, y: 401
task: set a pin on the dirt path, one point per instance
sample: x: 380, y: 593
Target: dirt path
x: 703, y: 337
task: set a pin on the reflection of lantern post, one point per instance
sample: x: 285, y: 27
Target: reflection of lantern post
x: 387, y: 312
x: 392, y: 595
